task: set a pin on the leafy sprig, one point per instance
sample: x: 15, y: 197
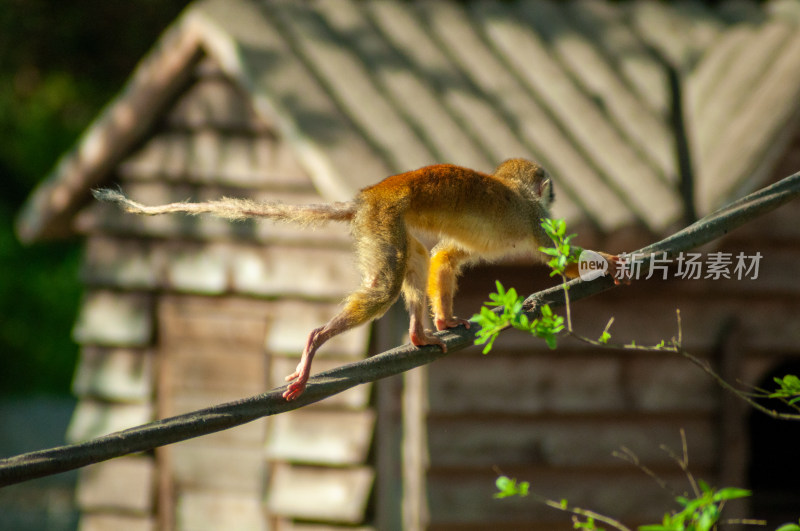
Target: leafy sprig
x: 547, y: 327
x: 699, y: 514
x: 789, y: 389
x: 563, y: 252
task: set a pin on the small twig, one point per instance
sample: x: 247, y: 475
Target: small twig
x: 675, y: 346
x: 763, y: 393
x: 564, y: 507
x: 683, y: 462
x: 628, y: 455
x: 580, y: 512
x: 608, y: 326
x: 744, y: 521
x: 704, y: 365
x: 567, y: 310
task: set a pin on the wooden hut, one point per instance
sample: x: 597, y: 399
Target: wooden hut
x: 311, y: 101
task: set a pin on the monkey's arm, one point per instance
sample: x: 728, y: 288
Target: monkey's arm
x: 573, y: 271
x: 445, y: 265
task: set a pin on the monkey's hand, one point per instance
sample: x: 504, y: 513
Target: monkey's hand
x: 616, y: 268
x: 443, y: 323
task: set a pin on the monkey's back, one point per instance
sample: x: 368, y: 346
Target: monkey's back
x: 481, y: 212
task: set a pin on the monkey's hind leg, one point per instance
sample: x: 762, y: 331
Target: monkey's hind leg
x: 364, y: 305
x: 384, y: 265
x: 414, y: 295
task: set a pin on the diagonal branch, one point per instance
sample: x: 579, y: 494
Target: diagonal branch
x: 223, y: 416
x: 220, y: 417
x: 705, y: 230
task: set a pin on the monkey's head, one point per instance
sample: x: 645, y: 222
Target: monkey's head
x: 531, y: 176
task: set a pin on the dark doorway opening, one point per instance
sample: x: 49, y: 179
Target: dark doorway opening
x: 775, y: 457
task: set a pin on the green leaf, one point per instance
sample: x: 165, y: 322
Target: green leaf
x: 499, y: 287
x: 511, y: 296
x: 789, y: 527
x: 508, y: 487
x: 789, y: 388
x: 549, y: 251
x: 481, y: 338
x: 505, y: 486
x: 731, y: 493
x: 489, y: 345
x: 707, y: 519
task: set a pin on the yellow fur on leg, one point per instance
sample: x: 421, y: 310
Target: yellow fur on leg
x: 444, y: 268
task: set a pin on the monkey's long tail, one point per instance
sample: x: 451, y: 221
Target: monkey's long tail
x: 238, y: 209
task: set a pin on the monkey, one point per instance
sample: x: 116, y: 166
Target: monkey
x: 475, y: 216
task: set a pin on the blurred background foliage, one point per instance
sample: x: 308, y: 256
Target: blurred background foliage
x: 60, y: 62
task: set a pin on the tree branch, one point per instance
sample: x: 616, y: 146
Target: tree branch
x: 220, y: 417
x: 223, y: 416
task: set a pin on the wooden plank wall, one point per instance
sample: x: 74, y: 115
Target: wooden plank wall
x: 554, y: 418
x: 211, y: 352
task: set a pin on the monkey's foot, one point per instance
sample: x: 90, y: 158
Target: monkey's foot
x: 297, y: 387
x: 451, y: 322
x: 420, y: 339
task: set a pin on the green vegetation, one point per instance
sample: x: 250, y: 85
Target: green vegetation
x: 60, y: 62
x: 699, y: 511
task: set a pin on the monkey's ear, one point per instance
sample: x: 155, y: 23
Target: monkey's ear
x: 545, y: 190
